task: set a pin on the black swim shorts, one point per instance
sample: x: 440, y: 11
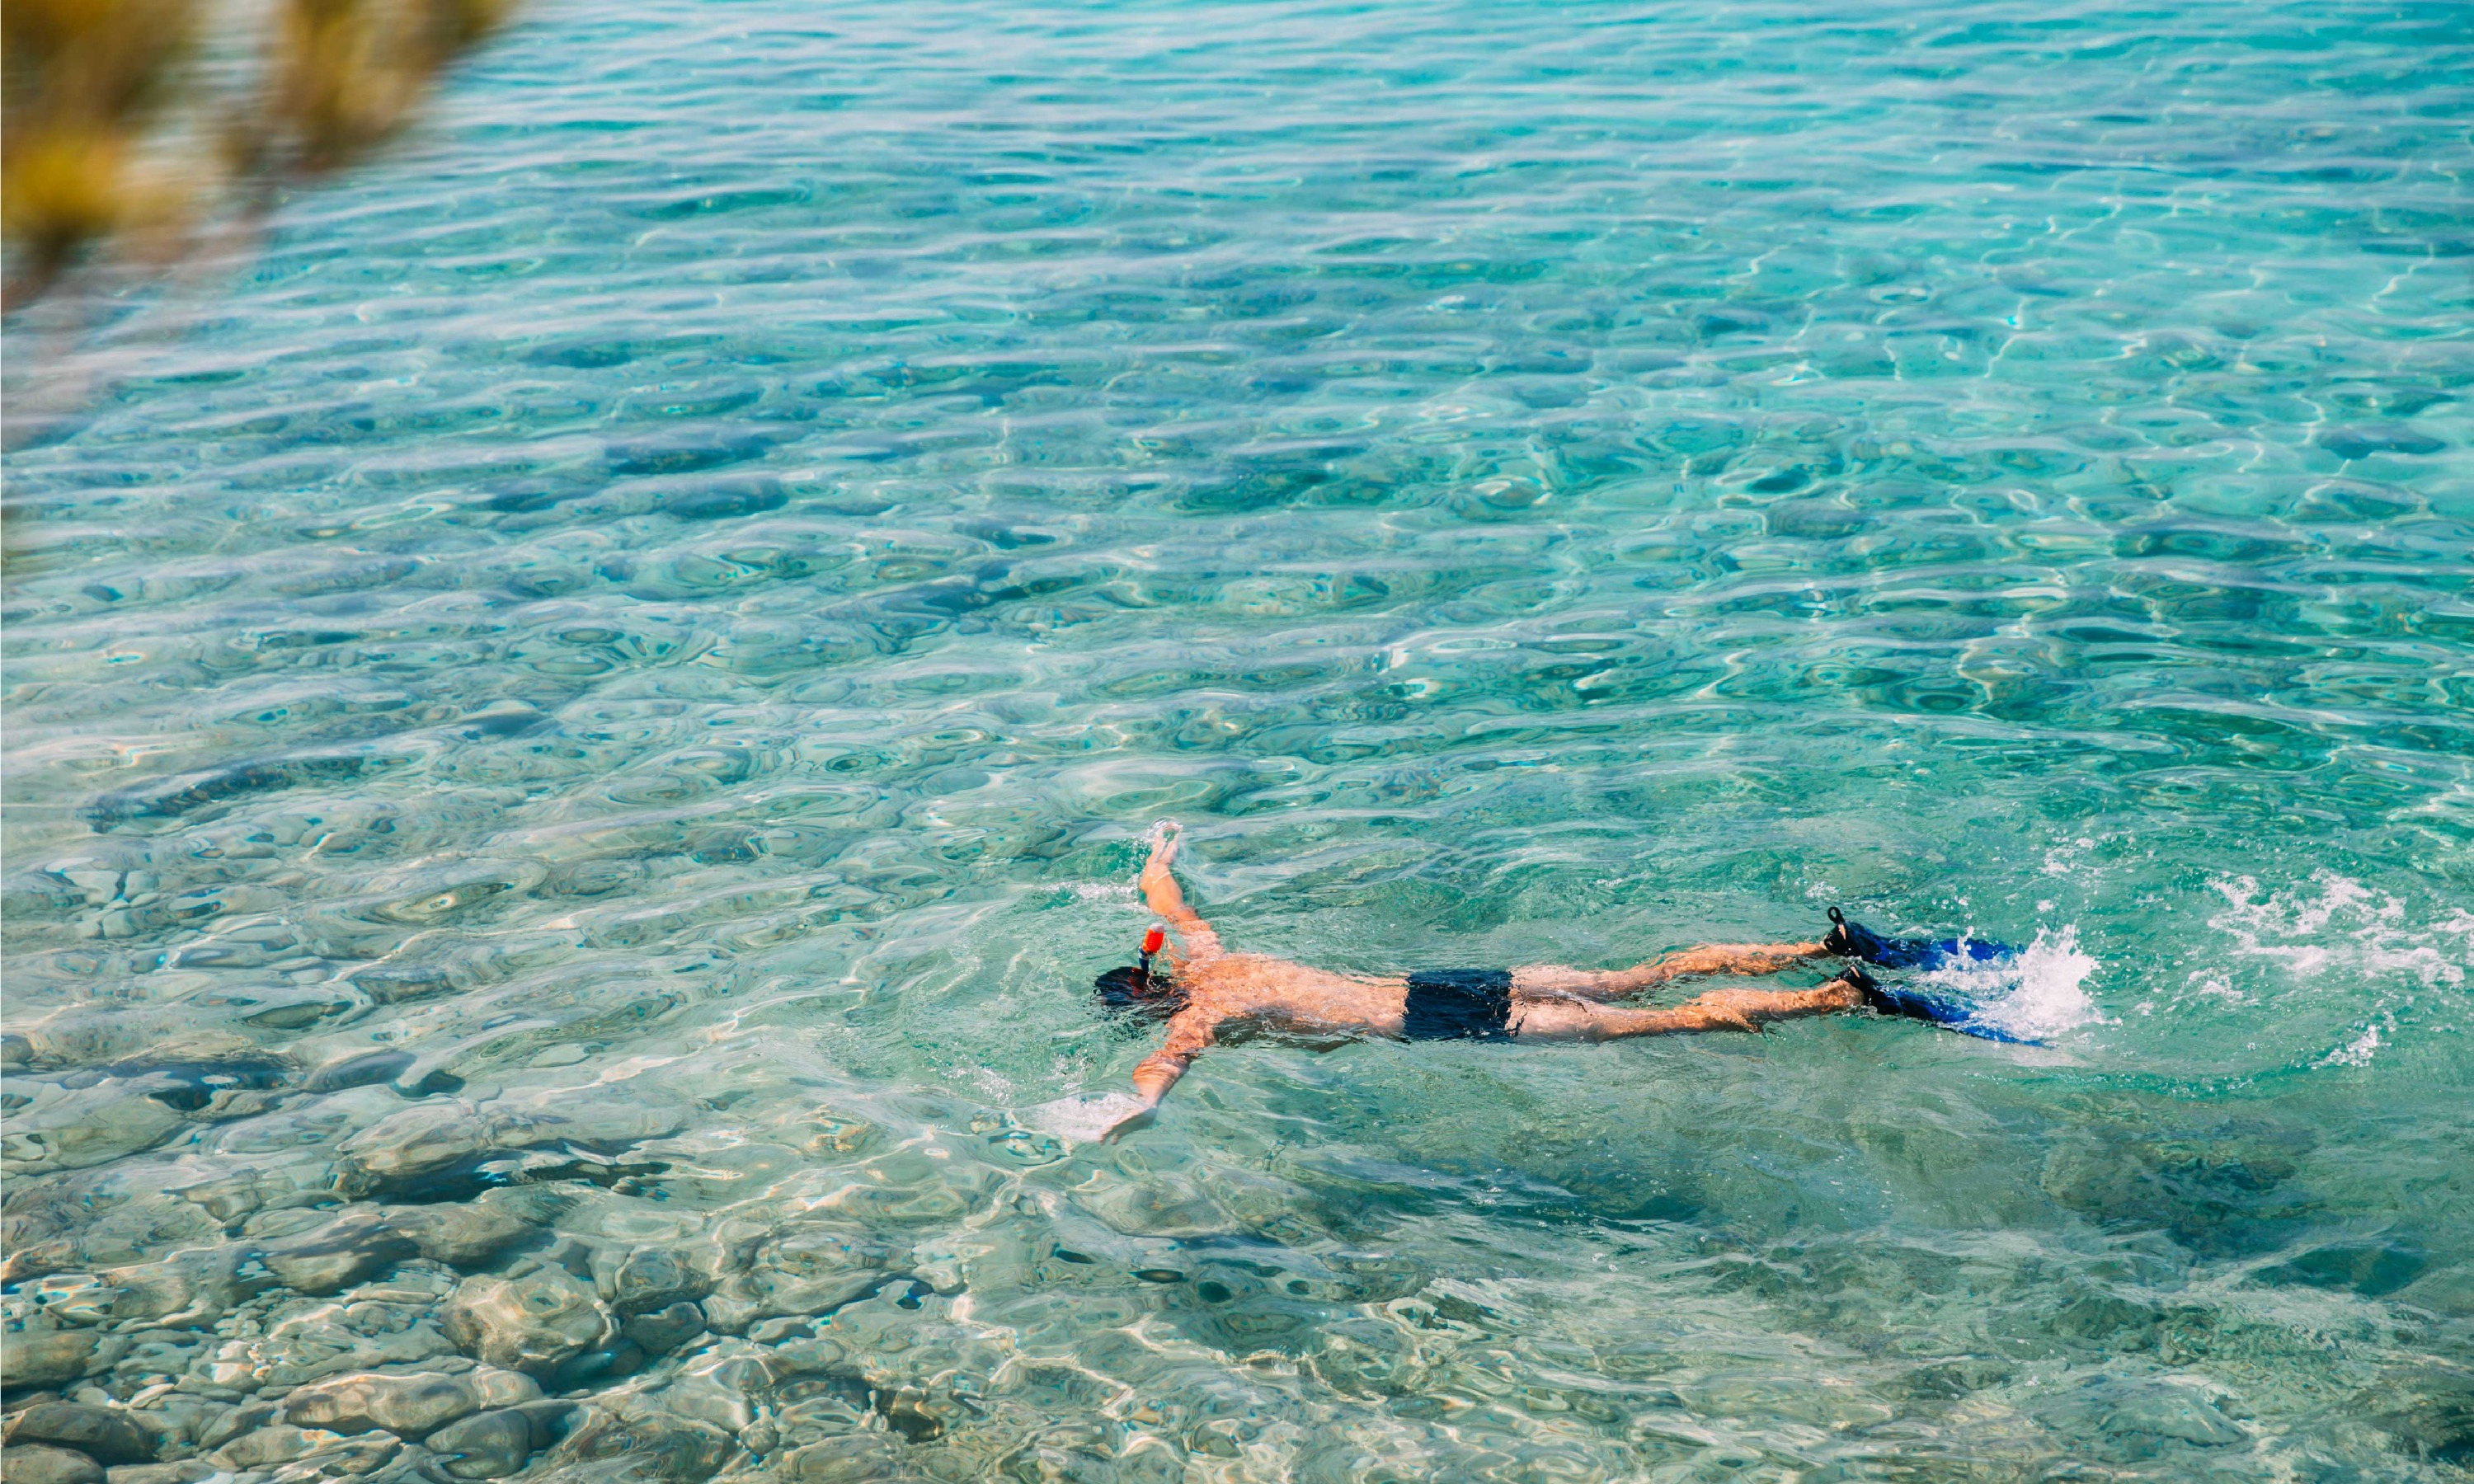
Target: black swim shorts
x: 1457, y: 1004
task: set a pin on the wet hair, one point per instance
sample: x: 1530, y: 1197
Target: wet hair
x: 1130, y: 992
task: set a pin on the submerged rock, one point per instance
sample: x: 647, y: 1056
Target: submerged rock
x: 232, y: 1198
x: 189, y: 1290
x: 856, y: 1459
x: 722, y: 1388
x: 360, y: 1070
x: 806, y: 1270
x: 484, y: 1445
x: 355, y: 1246
x: 31, y: 1358
x: 420, y: 1140
x: 78, y: 1129
x: 2447, y: 1291
x: 673, y: 1449
x: 410, y: 1407
x: 438, y: 1137
x: 2222, y: 1188
x: 39, y: 1258
x: 470, y: 1234
x: 807, y: 1356
x: 233, y: 1422
x: 304, y: 1340
x: 666, y: 1329
x: 2182, y: 1419
x: 178, y: 1419
x: 640, y: 1279
x: 1948, y: 1379
x: 2130, y: 1420
x: 394, y: 984
x: 552, y: 1418
x: 355, y: 1456
x: 599, y: 1366
x: 271, y: 1447
x: 186, y: 1471
x: 104, y: 1434
x: 117, y: 1217
x: 531, y: 1324
x: 206, y: 795
x: 37, y: 1463
x: 104, y: 1034
x: 2428, y: 1413
x: 2373, y: 1269
x: 365, y: 1241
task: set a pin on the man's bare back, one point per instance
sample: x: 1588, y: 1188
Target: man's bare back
x: 1222, y: 992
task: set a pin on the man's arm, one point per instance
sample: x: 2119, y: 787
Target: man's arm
x: 1189, y: 1032
x: 1161, y: 895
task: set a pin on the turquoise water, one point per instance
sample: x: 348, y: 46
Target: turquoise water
x: 616, y: 681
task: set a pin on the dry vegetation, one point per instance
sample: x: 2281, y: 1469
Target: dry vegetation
x: 142, y: 133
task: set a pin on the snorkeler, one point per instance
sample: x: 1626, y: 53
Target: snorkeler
x: 1209, y: 989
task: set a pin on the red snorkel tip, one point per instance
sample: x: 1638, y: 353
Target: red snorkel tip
x: 1151, y: 941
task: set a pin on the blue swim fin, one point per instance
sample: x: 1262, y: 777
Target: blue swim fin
x: 1853, y: 939
x: 1933, y: 1004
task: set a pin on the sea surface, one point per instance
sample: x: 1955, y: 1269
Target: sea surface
x: 574, y: 742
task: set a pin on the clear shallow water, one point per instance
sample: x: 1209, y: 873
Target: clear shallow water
x: 626, y: 667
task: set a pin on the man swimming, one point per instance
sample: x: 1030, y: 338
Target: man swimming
x: 1210, y: 989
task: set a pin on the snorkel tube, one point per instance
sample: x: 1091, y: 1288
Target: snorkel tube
x: 1136, y: 990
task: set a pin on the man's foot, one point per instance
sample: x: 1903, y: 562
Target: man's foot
x: 1868, y: 990
x: 1880, y: 1001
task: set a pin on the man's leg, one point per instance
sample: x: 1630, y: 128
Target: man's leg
x: 1711, y: 958
x: 1559, y: 1018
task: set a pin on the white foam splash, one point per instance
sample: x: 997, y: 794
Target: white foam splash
x: 2289, y: 927
x: 2216, y: 985
x: 2357, y: 1052
x: 2034, y: 996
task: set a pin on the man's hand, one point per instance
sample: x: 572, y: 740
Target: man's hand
x: 1165, y: 835
x: 1156, y: 877
x: 1161, y: 893
x: 1139, y: 1119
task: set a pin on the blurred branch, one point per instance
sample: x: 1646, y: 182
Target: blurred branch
x: 347, y: 76
x: 80, y: 83
x: 140, y: 136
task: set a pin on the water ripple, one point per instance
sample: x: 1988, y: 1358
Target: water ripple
x: 569, y: 748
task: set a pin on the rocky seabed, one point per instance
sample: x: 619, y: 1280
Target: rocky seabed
x: 455, y: 1288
